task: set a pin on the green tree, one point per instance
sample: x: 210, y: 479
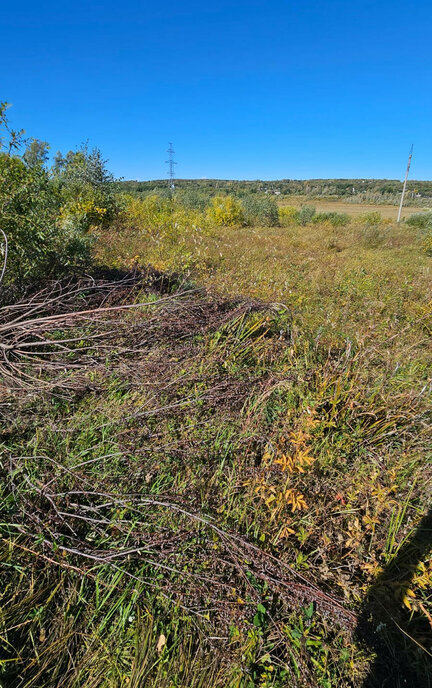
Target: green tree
x: 10, y: 139
x: 36, y: 153
x: 86, y: 188
x: 41, y: 244
x: 260, y: 210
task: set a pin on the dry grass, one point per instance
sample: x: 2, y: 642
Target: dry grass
x: 363, y: 282
x: 247, y: 477
x: 354, y: 210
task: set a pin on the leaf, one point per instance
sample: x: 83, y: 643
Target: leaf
x: 309, y: 611
x: 286, y: 532
x: 161, y: 643
x: 408, y: 599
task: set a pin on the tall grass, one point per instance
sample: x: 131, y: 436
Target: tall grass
x: 151, y: 524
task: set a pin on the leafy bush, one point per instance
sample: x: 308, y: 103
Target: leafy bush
x: 422, y: 221
x: 306, y: 214
x: 86, y: 188
x: 226, y: 210
x: 260, y: 210
x: 332, y: 218
x: 47, y: 215
x: 371, y: 218
x: 148, y: 214
x: 159, y: 218
x: 28, y: 216
x: 193, y: 200
x: 288, y: 215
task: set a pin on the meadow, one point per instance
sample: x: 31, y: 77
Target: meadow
x: 216, y: 444
x: 341, y: 205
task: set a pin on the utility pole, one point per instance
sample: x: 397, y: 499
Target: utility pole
x: 171, y: 162
x: 405, y: 183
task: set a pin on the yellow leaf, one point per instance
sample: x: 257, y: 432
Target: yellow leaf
x: 161, y: 643
x: 407, y: 602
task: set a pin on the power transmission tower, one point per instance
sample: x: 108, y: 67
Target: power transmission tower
x: 405, y: 183
x: 171, y: 162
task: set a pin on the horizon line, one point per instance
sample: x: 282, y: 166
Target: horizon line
x: 283, y: 179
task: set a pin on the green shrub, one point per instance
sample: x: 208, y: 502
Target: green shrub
x: 159, y: 218
x: 306, y: 214
x: 86, y: 188
x: 226, y: 210
x: 40, y: 244
x: 48, y: 215
x: 148, y: 214
x: 332, y: 218
x: 260, y: 210
x: 422, y: 221
x: 193, y: 200
x: 371, y: 218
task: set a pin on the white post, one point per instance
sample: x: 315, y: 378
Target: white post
x: 405, y: 183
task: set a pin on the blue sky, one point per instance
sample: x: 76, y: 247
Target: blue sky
x: 259, y: 89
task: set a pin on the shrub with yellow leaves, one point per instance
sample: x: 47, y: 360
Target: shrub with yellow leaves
x: 226, y: 211
x: 290, y: 456
x: 288, y: 215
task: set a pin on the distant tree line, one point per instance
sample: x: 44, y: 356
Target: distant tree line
x: 356, y: 190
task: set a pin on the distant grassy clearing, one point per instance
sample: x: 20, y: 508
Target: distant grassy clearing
x: 353, y: 209
x: 340, y: 279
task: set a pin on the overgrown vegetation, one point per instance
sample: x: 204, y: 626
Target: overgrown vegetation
x: 50, y: 214
x: 423, y: 222
x: 215, y: 471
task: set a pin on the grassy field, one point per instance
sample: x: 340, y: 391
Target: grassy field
x: 229, y: 483
x: 329, y: 277
x: 352, y: 209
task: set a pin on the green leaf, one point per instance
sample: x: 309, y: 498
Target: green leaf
x: 309, y: 611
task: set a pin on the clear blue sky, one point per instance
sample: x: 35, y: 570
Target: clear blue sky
x: 245, y: 89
